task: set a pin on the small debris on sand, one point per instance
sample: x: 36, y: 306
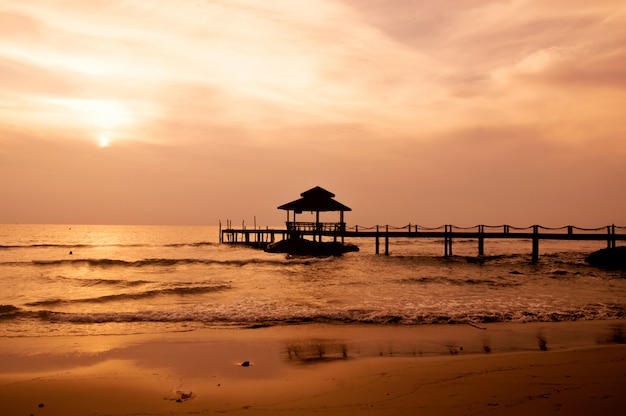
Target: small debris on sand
x: 184, y: 395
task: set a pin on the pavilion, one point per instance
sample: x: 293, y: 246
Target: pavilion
x: 315, y: 200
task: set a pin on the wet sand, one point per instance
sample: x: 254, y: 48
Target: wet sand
x: 574, y: 368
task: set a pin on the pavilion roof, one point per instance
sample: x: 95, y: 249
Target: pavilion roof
x: 315, y: 199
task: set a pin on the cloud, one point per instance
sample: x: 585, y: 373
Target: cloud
x: 556, y: 66
x: 296, y: 58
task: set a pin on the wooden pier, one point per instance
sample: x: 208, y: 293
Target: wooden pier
x: 448, y: 233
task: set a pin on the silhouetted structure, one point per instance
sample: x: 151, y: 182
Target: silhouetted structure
x: 315, y: 200
x: 320, y: 200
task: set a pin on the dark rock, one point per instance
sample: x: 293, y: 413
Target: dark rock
x: 245, y: 364
x: 303, y: 247
x: 608, y: 258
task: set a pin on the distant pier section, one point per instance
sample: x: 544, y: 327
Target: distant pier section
x: 446, y: 233
x: 318, y: 200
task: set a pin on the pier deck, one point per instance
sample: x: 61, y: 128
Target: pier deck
x: 262, y: 237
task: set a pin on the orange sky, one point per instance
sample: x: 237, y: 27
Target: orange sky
x: 187, y: 112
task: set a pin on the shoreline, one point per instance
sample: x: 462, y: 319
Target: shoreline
x: 328, y: 369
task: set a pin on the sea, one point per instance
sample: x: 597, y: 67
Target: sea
x: 105, y: 280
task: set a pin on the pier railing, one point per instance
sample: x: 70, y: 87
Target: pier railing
x: 261, y: 237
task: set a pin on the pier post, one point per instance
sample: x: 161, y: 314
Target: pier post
x: 386, y: 240
x: 610, y: 230
x: 535, y: 255
x: 481, y: 240
x: 450, y: 241
x: 377, y: 250
x: 447, y: 241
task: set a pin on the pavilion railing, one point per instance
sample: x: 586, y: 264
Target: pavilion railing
x: 333, y: 227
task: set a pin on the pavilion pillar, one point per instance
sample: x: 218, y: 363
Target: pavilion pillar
x: 317, y: 227
x: 341, y: 226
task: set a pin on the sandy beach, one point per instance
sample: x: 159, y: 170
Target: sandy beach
x: 573, y: 368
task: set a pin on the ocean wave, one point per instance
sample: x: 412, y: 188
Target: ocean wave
x: 456, y: 281
x: 7, y: 247
x: 113, y: 282
x: 175, y: 291
x: 167, y: 262
x: 564, y: 274
x: 80, y: 245
x: 94, y: 282
x: 8, y: 311
x: 196, y: 244
x: 248, y: 319
x: 66, y: 246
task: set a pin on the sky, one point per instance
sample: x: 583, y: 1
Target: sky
x: 426, y: 112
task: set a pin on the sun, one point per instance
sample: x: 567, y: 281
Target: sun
x: 104, y: 141
x: 103, y: 117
